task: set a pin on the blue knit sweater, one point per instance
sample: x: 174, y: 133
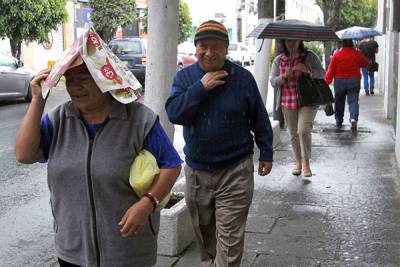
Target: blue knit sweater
x: 219, y: 124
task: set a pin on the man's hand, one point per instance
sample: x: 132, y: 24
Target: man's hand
x: 264, y: 167
x: 213, y: 79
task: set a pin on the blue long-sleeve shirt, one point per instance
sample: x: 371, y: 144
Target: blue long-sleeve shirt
x: 218, y: 125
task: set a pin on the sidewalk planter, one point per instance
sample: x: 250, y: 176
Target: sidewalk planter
x: 176, y: 231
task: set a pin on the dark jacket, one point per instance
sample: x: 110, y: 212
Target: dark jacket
x: 218, y: 125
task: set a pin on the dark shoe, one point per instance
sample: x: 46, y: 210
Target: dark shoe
x: 367, y: 93
x: 339, y: 125
x: 353, y: 125
x: 296, y: 172
x: 372, y: 92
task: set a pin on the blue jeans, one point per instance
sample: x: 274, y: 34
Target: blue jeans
x: 350, y: 88
x: 368, y: 74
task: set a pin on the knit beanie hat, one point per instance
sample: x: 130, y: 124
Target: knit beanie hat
x: 211, y: 29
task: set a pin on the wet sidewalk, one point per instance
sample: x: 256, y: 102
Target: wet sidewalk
x: 348, y: 214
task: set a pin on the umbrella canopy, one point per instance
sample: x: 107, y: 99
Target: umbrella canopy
x: 292, y: 29
x: 357, y: 33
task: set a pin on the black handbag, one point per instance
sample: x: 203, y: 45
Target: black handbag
x: 373, y: 66
x: 329, y: 111
x: 311, y: 92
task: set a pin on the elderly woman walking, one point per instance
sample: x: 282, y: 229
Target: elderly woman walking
x: 286, y: 69
x: 89, y: 144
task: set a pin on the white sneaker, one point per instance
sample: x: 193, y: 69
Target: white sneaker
x: 353, y: 125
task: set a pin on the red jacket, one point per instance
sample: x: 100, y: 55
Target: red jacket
x: 346, y: 63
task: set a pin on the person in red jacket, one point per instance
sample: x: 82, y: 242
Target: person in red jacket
x: 344, y: 69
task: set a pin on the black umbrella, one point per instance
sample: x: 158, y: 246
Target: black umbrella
x: 292, y: 29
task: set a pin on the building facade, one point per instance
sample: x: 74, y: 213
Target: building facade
x: 389, y: 59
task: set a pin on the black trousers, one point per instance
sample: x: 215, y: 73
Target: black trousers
x: 66, y: 264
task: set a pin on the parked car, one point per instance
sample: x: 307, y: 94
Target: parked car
x: 239, y: 53
x: 133, y: 51
x: 185, y: 60
x: 14, y: 78
x: 186, y: 51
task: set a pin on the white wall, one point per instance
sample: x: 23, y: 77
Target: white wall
x: 303, y: 10
x: 203, y: 10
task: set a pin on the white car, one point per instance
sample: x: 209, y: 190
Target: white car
x: 239, y: 53
x: 14, y: 78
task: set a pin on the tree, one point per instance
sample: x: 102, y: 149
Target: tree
x: 341, y: 14
x: 331, y: 11
x: 30, y: 21
x: 184, y: 21
x: 358, y: 13
x: 107, y: 15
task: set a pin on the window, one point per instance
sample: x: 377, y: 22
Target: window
x: 125, y: 47
x: 6, y: 61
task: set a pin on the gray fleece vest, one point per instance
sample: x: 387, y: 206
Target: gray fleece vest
x: 90, y: 191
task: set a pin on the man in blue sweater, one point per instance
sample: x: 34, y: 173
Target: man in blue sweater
x: 220, y: 108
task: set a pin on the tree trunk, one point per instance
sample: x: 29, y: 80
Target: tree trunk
x: 15, y: 49
x: 161, y: 57
x: 327, y: 53
x: 331, y: 11
x: 280, y: 9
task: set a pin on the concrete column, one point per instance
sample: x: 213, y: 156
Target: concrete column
x: 381, y: 56
x: 392, y: 44
x: 161, y: 57
x: 261, y: 62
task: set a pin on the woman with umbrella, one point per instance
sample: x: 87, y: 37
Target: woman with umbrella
x: 287, y: 67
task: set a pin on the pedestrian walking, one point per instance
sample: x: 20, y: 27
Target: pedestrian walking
x: 344, y: 69
x: 369, y: 47
x: 286, y: 69
x: 220, y: 108
x: 89, y: 144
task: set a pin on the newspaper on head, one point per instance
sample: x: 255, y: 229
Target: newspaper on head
x: 109, y: 73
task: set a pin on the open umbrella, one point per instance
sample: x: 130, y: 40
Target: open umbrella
x: 357, y: 33
x: 292, y: 29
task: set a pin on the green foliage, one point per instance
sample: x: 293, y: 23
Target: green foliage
x: 175, y: 198
x: 316, y: 47
x: 107, y: 15
x: 341, y: 14
x: 184, y: 20
x: 358, y: 13
x: 30, y: 20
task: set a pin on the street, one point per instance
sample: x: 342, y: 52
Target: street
x: 25, y: 224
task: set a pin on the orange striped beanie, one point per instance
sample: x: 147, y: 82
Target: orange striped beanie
x: 211, y: 29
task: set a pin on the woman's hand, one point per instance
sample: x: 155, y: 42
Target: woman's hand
x: 35, y: 83
x: 288, y: 73
x: 303, y: 68
x: 135, y: 217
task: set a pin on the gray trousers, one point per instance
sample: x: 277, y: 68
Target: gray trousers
x: 299, y: 122
x: 219, y: 203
